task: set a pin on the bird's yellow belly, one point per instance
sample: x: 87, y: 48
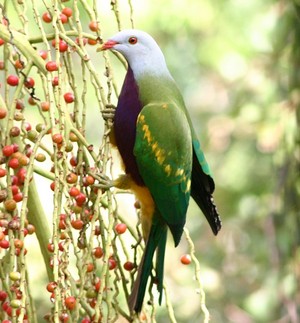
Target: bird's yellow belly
x: 144, y: 197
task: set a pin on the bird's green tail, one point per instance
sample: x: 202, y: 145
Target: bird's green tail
x: 156, y: 240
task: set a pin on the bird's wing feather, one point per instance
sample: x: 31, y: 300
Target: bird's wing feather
x: 163, y: 150
x: 203, y: 184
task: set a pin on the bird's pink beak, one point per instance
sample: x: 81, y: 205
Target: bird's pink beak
x: 107, y: 45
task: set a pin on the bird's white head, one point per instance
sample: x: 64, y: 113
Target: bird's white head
x: 140, y: 50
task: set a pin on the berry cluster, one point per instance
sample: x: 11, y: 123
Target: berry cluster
x: 42, y: 127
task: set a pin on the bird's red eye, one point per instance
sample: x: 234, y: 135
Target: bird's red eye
x: 132, y: 40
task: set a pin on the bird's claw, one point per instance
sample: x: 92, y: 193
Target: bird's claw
x: 104, y: 182
x: 108, y: 113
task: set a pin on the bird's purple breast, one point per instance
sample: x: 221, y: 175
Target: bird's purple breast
x: 128, y: 109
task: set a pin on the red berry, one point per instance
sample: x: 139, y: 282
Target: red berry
x: 69, y: 97
x: 120, y: 228
x: 4, y: 244
x: 186, y: 259
x: 19, y: 243
x: 57, y: 138
x: 51, y: 66
x: 19, y: 64
x: 84, y: 41
x: 3, y: 295
x: 62, y: 216
x: 18, y: 197
x: 92, y: 42
x: 43, y: 54
x: 45, y: 106
x: 3, y: 113
x: 21, y: 175
x: 19, y: 104
x: 50, y: 247
x: 97, y: 284
x: 15, y: 180
x: 52, y: 186
x: 8, y: 150
x: 98, y: 252
x: 1, y: 41
x: 77, y: 224
x: 74, y: 191
x: 64, y: 317
x: 5, y: 306
x: 112, y: 264
x: 88, y: 180
x: 61, y: 246
x: 3, y: 172
x: 63, y: 18
x: 27, y: 126
x: 80, y: 199
x: 14, y: 189
x: 128, y: 265
x: 70, y: 302
x: 51, y: 287
x: 29, y: 82
x: 31, y: 101
x: 55, y: 81
x: 71, y: 178
x: 73, y: 161
x: 90, y: 267
x: 12, y: 80
x: 62, y: 225
x: 47, y: 17
x: 62, y: 45
x: 67, y: 11
x: 93, y: 25
x: 13, y: 163
x: 16, y: 147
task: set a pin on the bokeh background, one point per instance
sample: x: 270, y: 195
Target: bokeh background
x: 237, y: 65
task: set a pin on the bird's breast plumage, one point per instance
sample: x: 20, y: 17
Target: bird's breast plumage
x: 128, y: 109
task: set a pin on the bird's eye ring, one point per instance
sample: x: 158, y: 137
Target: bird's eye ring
x: 132, y: 40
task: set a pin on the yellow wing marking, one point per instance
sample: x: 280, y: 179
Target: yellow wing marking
x: 160, y: 153
x: 179, y: 172
x: 147, y: 133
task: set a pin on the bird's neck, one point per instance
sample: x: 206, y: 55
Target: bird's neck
x: 157, y: 87
x: 153, y: 65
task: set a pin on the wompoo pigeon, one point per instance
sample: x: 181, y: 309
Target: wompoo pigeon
x: 162, y: 157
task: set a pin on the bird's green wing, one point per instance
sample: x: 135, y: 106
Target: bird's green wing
x: 163, y: 151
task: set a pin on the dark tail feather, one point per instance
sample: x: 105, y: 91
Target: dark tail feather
x: 206, y: 203
x: 201, y: 190
x: 157, y: 238
x: 160, y: 260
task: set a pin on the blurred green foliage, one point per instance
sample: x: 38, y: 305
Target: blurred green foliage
x: 237, y: 63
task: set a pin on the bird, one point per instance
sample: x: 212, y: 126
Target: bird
x: 162, y: 158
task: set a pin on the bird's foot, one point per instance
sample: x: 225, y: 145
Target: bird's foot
x: 108, y: 113
x: 104, y: 182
